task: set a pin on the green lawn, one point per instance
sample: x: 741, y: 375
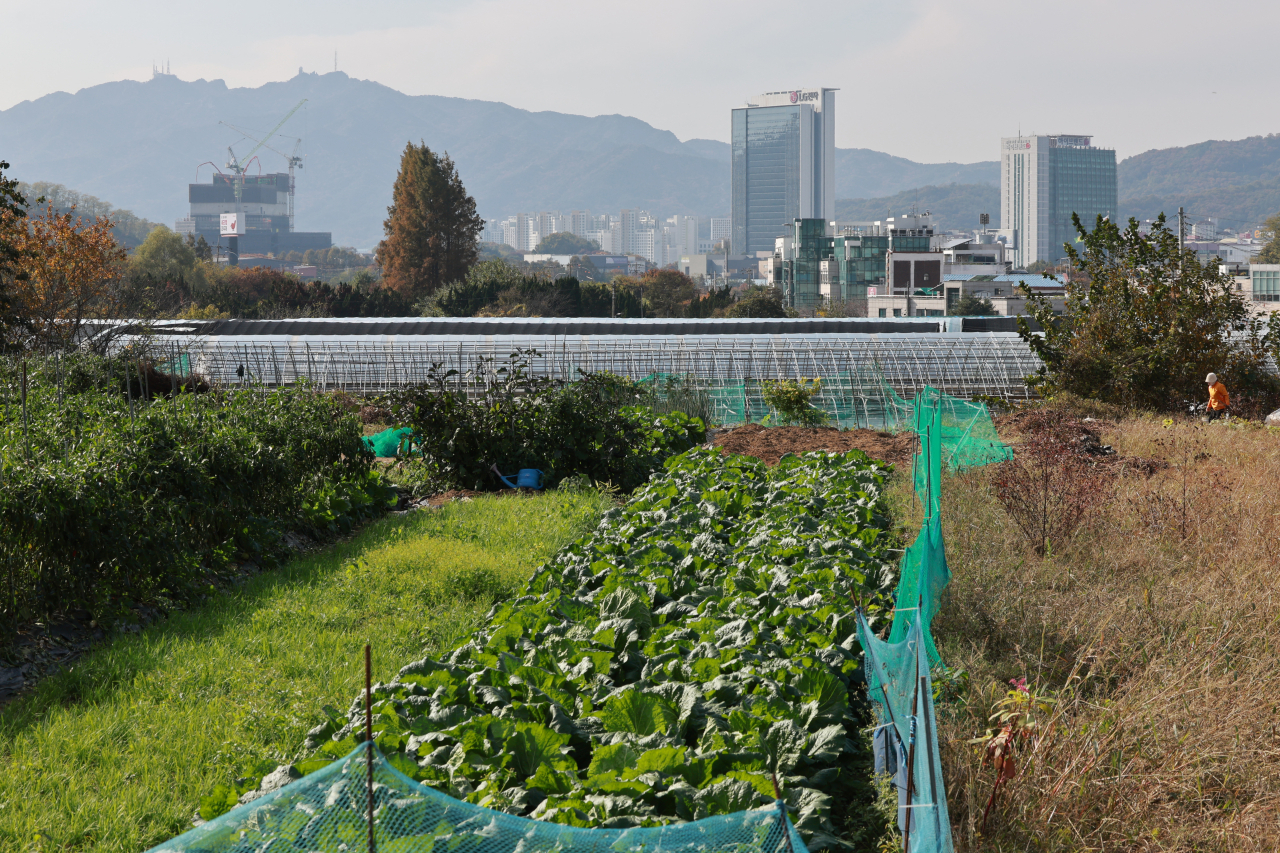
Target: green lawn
x: 115, y: 754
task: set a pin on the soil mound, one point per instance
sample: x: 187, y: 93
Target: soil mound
x: 769, y: 444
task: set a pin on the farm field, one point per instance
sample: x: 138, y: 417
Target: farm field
x: 116, y: 753
x: 1152, y: 633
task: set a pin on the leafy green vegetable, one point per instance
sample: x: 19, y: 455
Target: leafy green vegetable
x: 667, y: 667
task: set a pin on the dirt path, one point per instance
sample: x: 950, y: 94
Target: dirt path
x: 769, y: 444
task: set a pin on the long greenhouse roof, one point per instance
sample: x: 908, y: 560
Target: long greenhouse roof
x: 539, y: 326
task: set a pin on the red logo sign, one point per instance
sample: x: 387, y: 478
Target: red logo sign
x: 795, y: 96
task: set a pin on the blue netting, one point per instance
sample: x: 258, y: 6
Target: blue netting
x: 899, y: 684
x: 328, y: 812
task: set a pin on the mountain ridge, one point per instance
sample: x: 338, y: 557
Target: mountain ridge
x: 138, y: 143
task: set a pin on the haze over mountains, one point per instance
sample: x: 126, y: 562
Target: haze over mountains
x: 137, y: 145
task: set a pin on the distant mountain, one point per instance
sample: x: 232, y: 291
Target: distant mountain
x: 1235, y: 181
x: 1196, y: 168
x: 139, y: 143
x: 863, y: 173
x: 954, y: 206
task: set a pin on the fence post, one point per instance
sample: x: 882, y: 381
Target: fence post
x: 26, y: 422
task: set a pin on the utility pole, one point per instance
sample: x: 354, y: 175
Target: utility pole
x: 1182, y: 238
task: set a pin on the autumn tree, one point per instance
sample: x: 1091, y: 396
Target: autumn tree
x: 13, y: 212
x: 668, y: 293
x: 432, y: 228
x: 69, y: 272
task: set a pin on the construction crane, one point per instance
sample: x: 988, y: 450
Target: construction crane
x: 237, y: 165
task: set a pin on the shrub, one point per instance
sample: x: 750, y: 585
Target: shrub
x: 1144, y: 322
x: 107, y: 499
x: 789, y: 400
x: 502, y: 414
x: 1050, y: 486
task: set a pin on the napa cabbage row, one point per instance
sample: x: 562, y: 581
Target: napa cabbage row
x: 669, y: 667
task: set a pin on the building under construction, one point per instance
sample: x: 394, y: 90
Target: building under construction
x: 264, y: 204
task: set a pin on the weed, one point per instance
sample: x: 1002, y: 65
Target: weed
x: 790, y: 401
x: 1050, y: 487
x: 1157, y: 641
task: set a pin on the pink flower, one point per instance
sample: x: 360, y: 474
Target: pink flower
x: 1019, y: 684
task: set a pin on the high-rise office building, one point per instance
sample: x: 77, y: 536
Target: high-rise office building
x: 784, y: 147
x: 1043, y: 180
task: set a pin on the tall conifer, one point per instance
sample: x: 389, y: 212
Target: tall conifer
x: 432, y: 227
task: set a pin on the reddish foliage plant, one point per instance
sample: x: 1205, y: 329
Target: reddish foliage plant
x: 1052, y: 485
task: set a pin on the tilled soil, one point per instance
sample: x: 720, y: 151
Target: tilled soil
x: 769, y: 444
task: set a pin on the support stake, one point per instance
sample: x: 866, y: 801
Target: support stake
x: 368, y: 735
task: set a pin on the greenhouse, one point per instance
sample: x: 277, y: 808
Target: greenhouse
x: 858, y: 361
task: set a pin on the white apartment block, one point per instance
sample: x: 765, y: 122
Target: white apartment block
x: 719, y: 229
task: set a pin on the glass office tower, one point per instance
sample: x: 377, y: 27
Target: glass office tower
x: 783, y: 166
x: 1043, y: 180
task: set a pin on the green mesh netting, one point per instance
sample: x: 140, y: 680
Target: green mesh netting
x: 954, y: 434
x: 923, y: 572
x: 328, y: 812
x: 387, y: 442
x: 856, y: 398
x: 898, y: 682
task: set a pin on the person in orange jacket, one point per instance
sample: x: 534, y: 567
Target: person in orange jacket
x: 1218, y: 397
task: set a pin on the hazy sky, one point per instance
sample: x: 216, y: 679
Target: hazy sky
x: 932, y: 81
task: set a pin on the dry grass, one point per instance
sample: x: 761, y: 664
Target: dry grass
x: 1158, y: 631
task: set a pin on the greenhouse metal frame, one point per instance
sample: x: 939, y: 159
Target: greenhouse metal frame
x: 963, y: 364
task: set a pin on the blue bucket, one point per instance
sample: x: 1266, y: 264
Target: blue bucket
x: 529, y: 478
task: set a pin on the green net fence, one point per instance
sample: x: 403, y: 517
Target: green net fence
x: 954, y: 434
x: 858, y: 398
x: 898, y: 680
x: 852, y: 399
x: 328, y: 812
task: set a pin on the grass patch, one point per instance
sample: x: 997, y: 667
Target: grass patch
x: 1154, y: 629
x: 115, y: 754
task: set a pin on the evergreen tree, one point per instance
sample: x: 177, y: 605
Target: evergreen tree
x: 432, y: 228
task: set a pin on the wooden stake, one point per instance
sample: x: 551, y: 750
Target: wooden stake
x: 368, y: 734
x: 911, y: 753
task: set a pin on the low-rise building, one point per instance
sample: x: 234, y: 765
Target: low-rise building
x: 939, y: 301
x: 1264, y: 288
x: 821, y: 262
